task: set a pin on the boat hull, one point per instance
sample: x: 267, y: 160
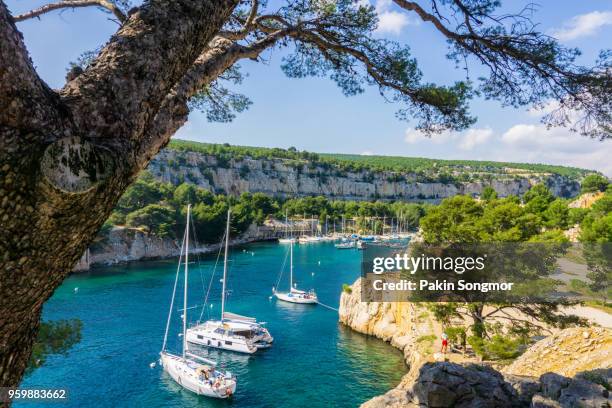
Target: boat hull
x: 288, y: 297
x: 226, y: 335
x: 286, y: 240
x: 183, y: 375
x: 208, y: 339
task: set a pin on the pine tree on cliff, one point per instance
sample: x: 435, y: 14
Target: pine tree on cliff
x: 66, y: 155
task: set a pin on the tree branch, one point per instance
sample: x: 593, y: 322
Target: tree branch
x: 24, y: 97
x: 218, y: 57
x: 111, y: 7
x: 121, y: 91
x: 252, y: 14
x: 526, y: 67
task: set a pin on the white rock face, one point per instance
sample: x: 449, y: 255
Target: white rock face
x: 278, y: 177
x: 130, y: 244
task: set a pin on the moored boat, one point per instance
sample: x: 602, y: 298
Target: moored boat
x: 232, y: 332
x: 190, y: 371
x: 295, y: 295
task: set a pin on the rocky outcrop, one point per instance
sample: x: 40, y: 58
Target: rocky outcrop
x: 399, y: 323
x: 281, y: 177
x: 567, y: 353
x: 586, y: 200
x: 572, y: 368
x: 471, y: 385
x: 121, y: 245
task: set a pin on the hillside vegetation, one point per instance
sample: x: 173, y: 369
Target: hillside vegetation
x: 351, y: 162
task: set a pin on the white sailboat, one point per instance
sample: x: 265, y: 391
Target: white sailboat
x: 232, y: 332
x: 295, y: 295
x: 287, y: 239
x: 190, y: 371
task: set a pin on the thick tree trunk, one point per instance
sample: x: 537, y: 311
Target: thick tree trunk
x: 67, y: 156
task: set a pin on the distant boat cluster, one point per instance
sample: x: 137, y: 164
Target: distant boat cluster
x: 346, y: 240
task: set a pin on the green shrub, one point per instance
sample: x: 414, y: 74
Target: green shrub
x: 157, y: 219
x: 593, y: 183
x: 456, y: 335
x: 426, y: 338
x: 346, y: 288
x: 499, y: 347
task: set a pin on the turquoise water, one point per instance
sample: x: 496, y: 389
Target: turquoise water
x: 314, y: 362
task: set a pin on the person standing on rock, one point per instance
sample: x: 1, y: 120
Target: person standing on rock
x: 444, y: 348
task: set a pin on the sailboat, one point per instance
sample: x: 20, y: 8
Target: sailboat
x: 295, y: 295
x: 287, y: 239
x: 192, y: 372
x: 232, y: 332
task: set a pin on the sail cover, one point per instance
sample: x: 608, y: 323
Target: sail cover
x: 234, y: 316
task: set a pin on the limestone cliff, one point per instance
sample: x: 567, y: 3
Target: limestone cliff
x: 572, y: 368
x: 280, y: 177
x: 131, y: 244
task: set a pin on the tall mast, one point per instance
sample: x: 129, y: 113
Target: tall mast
x: 291, y: 268
x: 225, y: 264
x: 186, y: 280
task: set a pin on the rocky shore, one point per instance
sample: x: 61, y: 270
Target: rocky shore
x: 572, y: 368
x: 121, y: 245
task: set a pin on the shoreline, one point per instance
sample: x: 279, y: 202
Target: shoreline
x: 126, y: 245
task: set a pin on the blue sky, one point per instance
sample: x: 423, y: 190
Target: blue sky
x: 312, y: 113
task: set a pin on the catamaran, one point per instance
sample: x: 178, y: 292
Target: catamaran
x: 192, y: 372
x: 295, y: 295
x: 232, y: 332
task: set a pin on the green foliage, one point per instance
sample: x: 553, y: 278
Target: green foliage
x: 596, y: 236
x: 346, y: 288
x: 453, y: 221
x: 425, y: 170
x: 497, y: 222
x: 456, y: 335
x: 499, y: 347
x: 106, y: 227
x: 54, y: 337
x: 593, y: 183
x: 556, y: 215
x: 602, y: 206
x: 576, y: 215
x: 426, y: 338
x: 539, y: 191
x: 444, y: 312
x: 488, y: 193
x: 187, y: 193
x: 155, y: 218
x: 144, y: 191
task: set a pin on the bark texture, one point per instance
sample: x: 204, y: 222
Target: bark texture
x: 66, y: 156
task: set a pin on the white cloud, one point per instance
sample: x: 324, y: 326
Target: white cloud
x: 522, y: 143
x: 538, y: 138
x: 367, y: 153
x: 391, y: 22
x: 464, y: 140
x: 536, y: 144
x: 583, y: 25
x: 475, y: 137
